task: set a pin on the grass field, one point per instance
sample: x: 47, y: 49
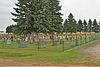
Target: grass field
x: 49, y: 55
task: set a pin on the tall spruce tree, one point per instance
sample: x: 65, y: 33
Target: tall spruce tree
x: 99, y: 26
x: 72, y: 27
x: 71, y: 23
x: 31, y: 15
x: 54, y: 18
x: 65, y: 28
x: 90, y: 28
x: 95, y: 27
x: 54, y: 15
x: 38, y: 16
x: 20, y: 16
x: 85, y: 29
x: 80, y: 29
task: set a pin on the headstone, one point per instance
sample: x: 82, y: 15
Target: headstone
x: 22, y: 44
x: 8, y: 41
x: 72, y: 41
x: 5, y: 39
x: 61, y: 41
x: 54, y: 40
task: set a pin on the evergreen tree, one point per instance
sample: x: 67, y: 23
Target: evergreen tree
x: 80, y: 26
x: 72, y: 27
x: 54, y: 18
x: 12, y: 29
x: 38, y: 16
x: 71, y: 23
x: 90, y: 28
x: 80, y: 29
x: 99, y: 26
x: 20, y: 16
x: 95, y: 27
x: 65, y: 28
x: 9, y: 29
x: 85, y: 29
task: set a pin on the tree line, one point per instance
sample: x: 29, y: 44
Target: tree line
x: 44, y: 16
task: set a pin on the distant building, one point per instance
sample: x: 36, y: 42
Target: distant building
x: 2, y: 32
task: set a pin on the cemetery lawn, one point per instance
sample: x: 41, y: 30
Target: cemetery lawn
x: 51, y: 55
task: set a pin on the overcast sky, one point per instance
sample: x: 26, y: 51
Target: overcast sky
x: 81, y: 9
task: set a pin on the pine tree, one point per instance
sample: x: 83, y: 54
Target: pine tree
x: 54, y: 15
x: 95, y: 27
x: 71, y: 23
x: 39, y: 16
x: 99, y: 26
x: 72, y: 27
x: 54, y: 18
x: 20, y: 16
x: 85, y: 29
x: 65, y: 28
x: 90, y: 28
x: 80, y: 29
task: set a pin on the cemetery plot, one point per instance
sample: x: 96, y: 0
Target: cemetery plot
x: 45, y: 43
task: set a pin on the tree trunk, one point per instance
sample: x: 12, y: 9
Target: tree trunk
x: 90, y: 36
x: 72, y: 40
x: 41, y: 43
x: 54, y: 39
x: 24, y: 38
x: 66, y: 36
x: 76, y: 39
x: 80, y: 38
x: 32, y: 38
x: 95, y: 35
x: 85, y: 37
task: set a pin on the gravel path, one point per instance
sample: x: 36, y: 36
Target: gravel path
x: 93, y: 50
x: 94, y: 54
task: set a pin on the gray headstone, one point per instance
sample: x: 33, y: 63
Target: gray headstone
x: 22, y: 44
x: 61, y: 41
x: 8, y: 41
x: 72, y: 42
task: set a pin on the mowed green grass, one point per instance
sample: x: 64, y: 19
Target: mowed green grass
x: 51, y: 54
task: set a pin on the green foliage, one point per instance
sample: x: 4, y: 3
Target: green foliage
x: 85, y: 26
x: 65, y: 26
x: 38, y: 16
x: 95, y: 26
x: 80, y: 26
x: 54, y: 16
x: 99, y: 26
x: 11, y: 29
x: 90, y: 25
x: 72, y: 26
x: 20, y: 16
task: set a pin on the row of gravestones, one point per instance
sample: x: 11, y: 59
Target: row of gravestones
x: 41, y: 42
x: 22, y: 43
x: 74, y: 40
x: 8, y: 41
